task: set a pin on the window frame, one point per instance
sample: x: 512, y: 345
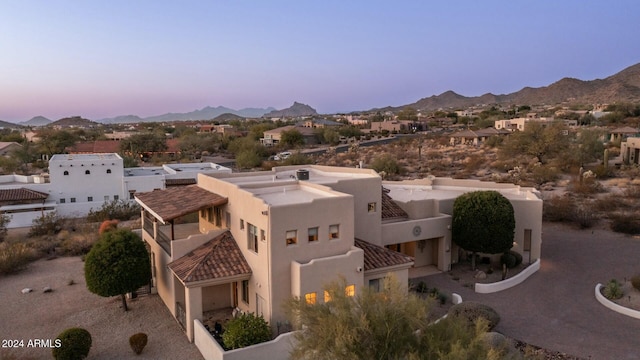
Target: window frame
x: 313, y: 238
x: 291, y: 237
x: 334, y: 235
x: 252, y: 237
x: 244, y: 289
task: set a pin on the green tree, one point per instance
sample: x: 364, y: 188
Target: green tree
x: 386, y: 163
x: 136, y: 145
x: 117, y: 264
x: 408, y: 113
x: 55, y: 141
x: 483, y: 221
x: 589, y: 146
x: 537, y: 140
x: 291, y: 138
x: 246, y: 330
x: 389, y: 324
x: 75, y: 343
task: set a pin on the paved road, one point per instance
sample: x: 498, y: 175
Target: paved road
x: 556, y: 308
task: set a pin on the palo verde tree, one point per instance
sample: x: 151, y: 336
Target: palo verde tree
x: 117, y: 264
x: 483, y: 221
x: 390, y: 324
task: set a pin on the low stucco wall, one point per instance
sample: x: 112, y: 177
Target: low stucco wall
x: 613, y: 306
x: 508, y: 283
x: 275, y: 349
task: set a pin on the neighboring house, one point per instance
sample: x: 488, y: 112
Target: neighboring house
x: 320, y: 123
x: 22, y: 205
x: 263, y: 237
x: 77, y: 183
x: 630, y: 150
x: 272, y: 137
x: 95, y: 147
x: 7, y: 148
x: 399, y: 126
x: 475, y: 137
x: 519, y: 124
x: 622, y: 133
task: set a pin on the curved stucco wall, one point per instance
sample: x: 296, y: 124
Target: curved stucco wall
x: 508, y: 283
x: 613, y: 306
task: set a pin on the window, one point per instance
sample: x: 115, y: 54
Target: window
x: 218, y: 216
x: 90, y: 198
x: 292, y: 237
x: 334, y: 231
x: 313, y: 234
x: 350, y: 290
x: 116, y: 197
x: 252, y: 237
x: 327, y: 296
x: 263, y: 235
x: 73, y: 200
x: 228, y: 220
x: 106, y: 198
x: 87, y: 172
x: 310, y: 298
x: 245, y: 291
x: 62, y: 201
x: 210, y: 215
x: 131, y: 194
x: 65, y: 173
x: 374, y: 284
x: 241, y: 224
x: 371, y: 207
x: 108, y: 171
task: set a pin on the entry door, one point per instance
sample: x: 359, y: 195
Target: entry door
x: 234, y: 291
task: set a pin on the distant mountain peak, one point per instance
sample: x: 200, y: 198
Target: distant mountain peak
x: 297, y: 109
x: 36, y: 121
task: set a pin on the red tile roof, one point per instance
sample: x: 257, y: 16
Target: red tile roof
x: 377, y: 257
x: 391, y: 210
x: 217, y: 259
x: 95, y: 147
x: 177, y: 201
x: 21, y: 194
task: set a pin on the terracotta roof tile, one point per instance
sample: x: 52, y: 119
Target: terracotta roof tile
x: 21, y: 194
x: 95, y: 147
x: 216, y: 259
x: 391, y: 210
x: 177, y: 201
x: 180, y: 182
x: 377, y: 257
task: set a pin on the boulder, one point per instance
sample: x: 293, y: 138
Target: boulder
x: 26, y: 290
x: 480, y: 275
x: 47, y: 289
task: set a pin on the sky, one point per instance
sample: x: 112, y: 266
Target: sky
x: 99, y: 59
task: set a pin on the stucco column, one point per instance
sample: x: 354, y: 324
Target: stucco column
x: 193, y: 303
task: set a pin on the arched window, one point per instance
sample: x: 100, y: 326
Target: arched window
x: 87, y: 172
x: 65, y: 173
x: 108, y: 171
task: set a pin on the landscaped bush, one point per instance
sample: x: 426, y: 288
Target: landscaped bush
x: 76, y: 343
x: 115, y: 209
x: 14, y: 257
x: 635, y: 282
x: 48, y: 224
x: 613, y: 290
x: 508, y: 259
x: 625, y: 223
x: 138, y: 342
x: 471, y: 311
x: 422, y: 287
x: 246, y: 330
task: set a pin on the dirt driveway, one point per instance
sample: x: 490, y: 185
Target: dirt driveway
x: 39, y: 315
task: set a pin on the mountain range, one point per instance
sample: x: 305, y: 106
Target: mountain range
x: 205, y: 113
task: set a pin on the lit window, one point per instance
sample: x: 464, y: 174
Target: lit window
x: 65, y: 173
x: 252, y: 237
x: 73, y: 200
x: 371, y: 207
x: 87, y: 172
x: 292, y: 237
x: 313, y: 234
x: 245, y: 291
x: 334, y: 231
x: 90, y: 198
x: 310, y: 298
x: 350, y: 290
x: 327, y: 296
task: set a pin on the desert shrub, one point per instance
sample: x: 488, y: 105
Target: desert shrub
x: 298, y: 159
x: 586, y: 187
x: 76, y: 343
x: 471, y: 311
x: 584, y: 217
x: 115, y: 209
x: 613, y: 290
x: 245, y: 330
x: 625, y: 223
x: 511, y: 259
x: 558, y: 209
x: 603, y: 172
x: 107, y: 225
x: 15, y: 257
x: 76, y: 245
x: 138, y: 342
x: 609, y: 203
x: 388, y: 164
x: 632, y: 192
x: 4, y: 221
x: 541, y: 174
x: 48, y: 224
x: 422, y: 287
x: 635, y: 282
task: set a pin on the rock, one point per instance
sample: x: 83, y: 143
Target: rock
x: 26, y: 290
x: 47, y: 289
x: 480, y: 275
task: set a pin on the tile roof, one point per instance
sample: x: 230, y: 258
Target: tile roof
x: 180, y: 182
x: 177, y: 201
x: 391, y: 210
x: 377, y: 257
x: 216, y: 259
x: 95, y: 147
x: 21, y: 194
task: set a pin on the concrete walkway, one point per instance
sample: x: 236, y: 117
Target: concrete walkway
x: 556, y: 308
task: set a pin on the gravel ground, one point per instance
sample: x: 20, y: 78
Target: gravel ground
x: 39, y: 315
